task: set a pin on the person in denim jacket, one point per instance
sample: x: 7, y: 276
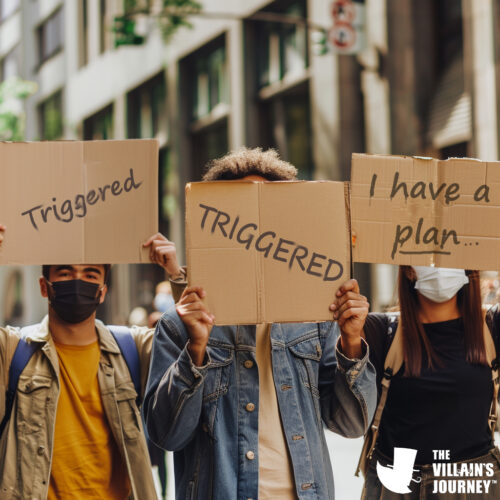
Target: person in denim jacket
x: 243, y: 407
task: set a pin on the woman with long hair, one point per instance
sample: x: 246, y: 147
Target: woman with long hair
x: 437, y: 403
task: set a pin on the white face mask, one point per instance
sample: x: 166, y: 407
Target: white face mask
x: 439, y: 284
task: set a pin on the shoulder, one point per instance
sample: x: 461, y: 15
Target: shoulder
x: 7, y: 332
x: 9, y: 338
x: 493, y: 321
x: 379, y: 331
x: 493, y: 314
x: 141, y: 333
x: 378, y: 326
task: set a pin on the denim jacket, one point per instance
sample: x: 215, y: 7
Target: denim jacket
x: 199, y: 412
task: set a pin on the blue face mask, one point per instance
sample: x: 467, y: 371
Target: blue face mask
x: 163, y: 301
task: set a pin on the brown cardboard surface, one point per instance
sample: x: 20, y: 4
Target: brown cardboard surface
x: 245, y: 270
x: 99, y: 199
x: 459, y: 228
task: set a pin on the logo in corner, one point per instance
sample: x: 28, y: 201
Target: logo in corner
x: 397, y: 477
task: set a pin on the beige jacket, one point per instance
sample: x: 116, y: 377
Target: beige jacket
x: 27, y: 442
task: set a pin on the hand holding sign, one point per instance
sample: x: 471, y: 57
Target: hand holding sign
x: 350, y: 310
x: 163, y: 253
x: 197, y: 320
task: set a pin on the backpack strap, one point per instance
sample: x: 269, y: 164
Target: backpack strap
x: 493, y: 362
x: 23, y: 353
x: 393, y: 362
x: 128, y: 348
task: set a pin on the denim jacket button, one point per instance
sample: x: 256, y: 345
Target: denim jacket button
x: 250, y: 407
x: 250, y: 455
x: 306, y: 486
x: 248, y: 363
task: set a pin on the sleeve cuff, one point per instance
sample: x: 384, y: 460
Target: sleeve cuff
x: 190, y: 372
x: 346, y: 364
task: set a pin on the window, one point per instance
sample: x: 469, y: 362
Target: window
x: 146, y: 110
x: 10, y: 64
x: 50, y: 118
x: 209, y: 143
x: 205, y: 78
x: 50, y: 36
x: 8, y: 7
x: 285, y: 125
x: 147, y: 118
x: 449, y: 119
x: 210, y: 77
x: 281, y: 47
x: 104, y: 30
x: 279, y: 107
x: 100, y: 125
x: 84, y: 34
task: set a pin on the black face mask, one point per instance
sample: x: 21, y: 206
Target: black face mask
x: 74, y: 300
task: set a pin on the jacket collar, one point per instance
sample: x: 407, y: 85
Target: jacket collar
x: 40, y: 333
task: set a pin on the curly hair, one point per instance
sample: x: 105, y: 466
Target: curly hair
x: 246, y: 161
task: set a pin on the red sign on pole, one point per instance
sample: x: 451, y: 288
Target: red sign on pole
x: 346, y: 35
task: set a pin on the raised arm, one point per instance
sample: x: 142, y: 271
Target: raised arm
x: 179, y: 362
x: 347, y: 378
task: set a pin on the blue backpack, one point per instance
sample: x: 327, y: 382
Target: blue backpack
x: 25, y: 350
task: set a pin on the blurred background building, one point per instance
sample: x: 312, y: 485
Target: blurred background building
x: 426, y: 83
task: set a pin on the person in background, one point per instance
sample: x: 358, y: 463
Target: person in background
x: 74, y: 430
x: 441, y: 394
x: 162, y: 301
x: 243, y: 407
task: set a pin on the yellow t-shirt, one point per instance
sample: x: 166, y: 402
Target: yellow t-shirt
x: 276, y: 479
x: 86, y: 462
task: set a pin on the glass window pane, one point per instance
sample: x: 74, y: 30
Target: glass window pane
x: 8, y: 7
x: 51, y: 122
x: 210, y: 86
x: 10, y: 65
x: 211, y: 143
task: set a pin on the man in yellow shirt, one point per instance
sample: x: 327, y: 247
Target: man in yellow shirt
x: 75, y: 431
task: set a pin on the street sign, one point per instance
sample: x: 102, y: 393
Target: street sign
x: 347, y: 34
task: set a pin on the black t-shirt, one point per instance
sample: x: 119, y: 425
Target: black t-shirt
x: 445, y: 408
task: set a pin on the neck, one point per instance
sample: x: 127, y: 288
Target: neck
x: 83, y: 333
x: 435, y: 312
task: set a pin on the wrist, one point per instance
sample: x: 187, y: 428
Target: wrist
x: 351, y: 347
x: 197, y: 352
x: 178, y: 275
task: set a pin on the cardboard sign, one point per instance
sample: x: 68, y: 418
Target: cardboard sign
x: 268, y: 252
x: 421, y: 211
x: 78, y: 202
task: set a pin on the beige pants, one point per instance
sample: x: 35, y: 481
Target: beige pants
x: 437, y: 488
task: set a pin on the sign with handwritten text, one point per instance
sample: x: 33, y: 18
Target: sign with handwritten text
x: 422, y: 211
x: 73, y: 202
x: 268, y: 251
